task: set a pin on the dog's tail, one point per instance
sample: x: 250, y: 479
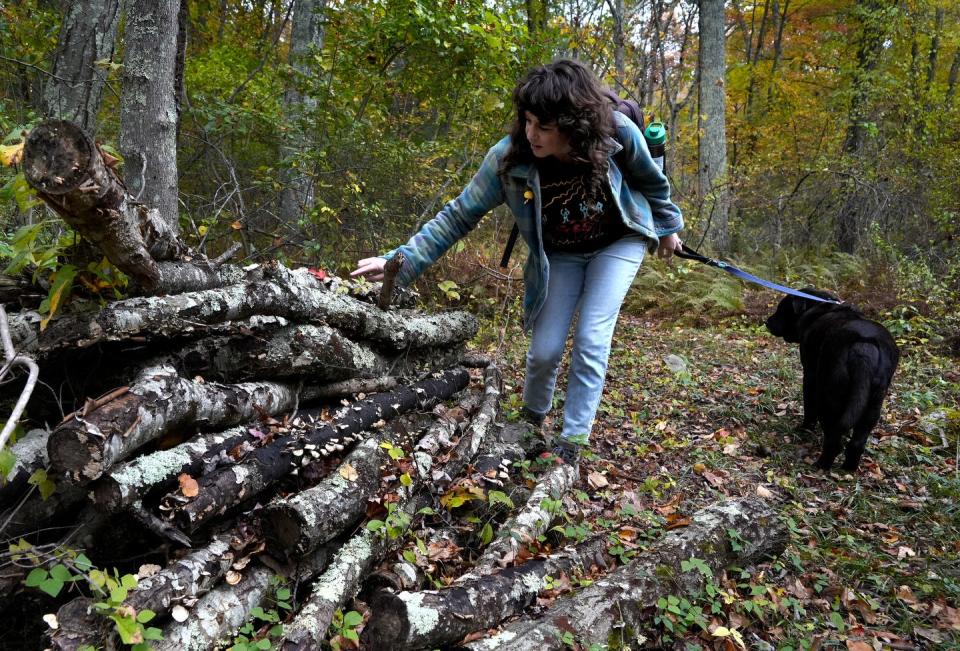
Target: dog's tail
x: 863, y: 359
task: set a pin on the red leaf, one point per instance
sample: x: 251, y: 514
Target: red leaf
x: 319, y: 274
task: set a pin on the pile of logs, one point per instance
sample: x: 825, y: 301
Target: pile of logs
x: 268, y: 422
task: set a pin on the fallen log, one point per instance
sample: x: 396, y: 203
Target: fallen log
x: 320, y: 353
x: 529, y: 524
x: 270, y: 290
x: 160, y: 401
x: 433, y: 618
x: 129, y: 482
x: 69, y: 173
x: 364, y: 551
x: 614, y: 609
x: 297, y: 525
x: 30, y: 452
x: 225, y: 489
x: 218, y: 613
x: 476, y: 433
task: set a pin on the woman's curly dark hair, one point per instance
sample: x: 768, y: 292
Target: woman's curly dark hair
x: 566, y: 93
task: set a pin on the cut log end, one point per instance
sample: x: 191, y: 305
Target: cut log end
x: 57, y: 157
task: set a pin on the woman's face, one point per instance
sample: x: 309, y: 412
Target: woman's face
x: 546, y: 139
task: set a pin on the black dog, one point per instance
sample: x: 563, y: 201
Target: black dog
x: 848, y: 362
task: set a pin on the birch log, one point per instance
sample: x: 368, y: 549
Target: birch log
x: 298, y: 524
x: 607, y: 611
x: 532, y: 521
x: 224, y: 489
x: 160, y: 401
x: 271, y: 290
x: 433, y: 618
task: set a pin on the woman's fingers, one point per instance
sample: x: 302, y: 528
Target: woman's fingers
x: 370, y: 268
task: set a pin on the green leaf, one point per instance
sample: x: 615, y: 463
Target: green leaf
x: 37, y: 576
x: 283, y: 594
x: 127, y: 628
x: 409, y: 556
x: 117, y: 595
x: 43, y: 483
x: 263, y: 644
x: 351, y: 634
x: 145, y: 616
x: 375, y: 525
x: 352, y: 619
x: 52, y: 586
x: 61, y: 283
x: 128, y: 581
x: 405, y: 479
x: 486, y: 534
x: 7, y: 461
x: 494, y: 497
x: 60, y: 573
x: 152, y: 633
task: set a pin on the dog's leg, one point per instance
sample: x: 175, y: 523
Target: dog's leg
x: 810, y: 402
x: 832, y: 445
x: 861, y: 432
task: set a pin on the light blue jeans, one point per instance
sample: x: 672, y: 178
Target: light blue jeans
x: 593, y: 284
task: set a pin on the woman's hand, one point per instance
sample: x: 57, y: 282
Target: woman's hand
x: 668, y: 245
x: 370, y: 268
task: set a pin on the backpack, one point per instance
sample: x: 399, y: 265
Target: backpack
x: 628, y: 107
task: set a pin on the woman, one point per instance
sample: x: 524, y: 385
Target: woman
x: 589, y: 202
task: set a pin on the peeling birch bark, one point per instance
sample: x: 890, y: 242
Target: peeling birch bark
x: 298, y: 524
x: 614, y: 609
x: 222, y: 490
x: 321, y: 353
x: 434, y: 618
x: 532, y: 521
x: 65, y: 167
x: 268, y: 291
x: 85, y: 446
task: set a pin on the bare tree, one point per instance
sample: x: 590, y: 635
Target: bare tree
x: 306, y: 37
x: 713, y: 141
x: 87, y: 38
x: 148, y: 111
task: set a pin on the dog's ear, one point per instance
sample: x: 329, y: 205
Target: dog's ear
x: 800, y: 305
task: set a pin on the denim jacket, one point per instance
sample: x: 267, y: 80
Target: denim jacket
x: 639, y: 188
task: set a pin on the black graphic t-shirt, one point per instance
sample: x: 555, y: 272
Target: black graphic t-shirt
x: 576, y: 219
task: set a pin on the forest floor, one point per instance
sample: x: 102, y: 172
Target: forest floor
x: 874, y: 557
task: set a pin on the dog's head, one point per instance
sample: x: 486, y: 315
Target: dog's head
x: 784, y: 321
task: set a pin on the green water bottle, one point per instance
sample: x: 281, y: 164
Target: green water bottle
x: 656, y: 136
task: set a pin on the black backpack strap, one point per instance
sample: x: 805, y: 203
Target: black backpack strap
x: 508, y: 249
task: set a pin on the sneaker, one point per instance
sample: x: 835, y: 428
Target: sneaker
x: 567, y: 452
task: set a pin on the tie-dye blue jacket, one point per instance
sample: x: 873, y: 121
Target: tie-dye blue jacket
x: 640, y: 189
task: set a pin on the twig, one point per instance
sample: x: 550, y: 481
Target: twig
x: 13, y: 358
x: 226, y: 255
x: 90, y: 405
x: 158, y: 526
x: 390, y: 271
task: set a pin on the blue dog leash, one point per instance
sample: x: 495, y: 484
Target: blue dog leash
x: 688, y: 253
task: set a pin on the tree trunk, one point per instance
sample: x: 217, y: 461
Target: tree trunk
x: 306, y: 37
x: 127, y: 483
x: 220, y: 612
x: 713, y: 141
x: 68, y: 172
x: 871, y: 35
x: 148, y: 110
x: 75, y: 87
x: 320, y: 353
x: 615, y: 609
